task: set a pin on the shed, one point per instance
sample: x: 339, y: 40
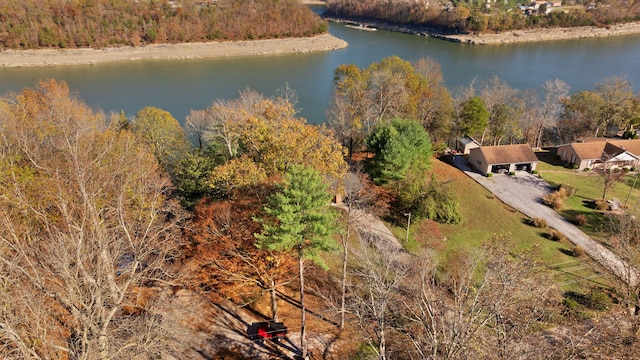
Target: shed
x: 504, y: 158
x: 465, y: 144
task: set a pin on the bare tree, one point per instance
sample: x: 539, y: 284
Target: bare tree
x: 435, y: 107
x: 498, y: 98
x: 555, y: 92
x: 377, y: 278
x: 624, y: 237
x: 85, y: 230
x: 617, y: 95
x: 197, y: 125
x: 447, y: 315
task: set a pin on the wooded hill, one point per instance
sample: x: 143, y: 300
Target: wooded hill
x: 33, y: 24
x: 480, y: 16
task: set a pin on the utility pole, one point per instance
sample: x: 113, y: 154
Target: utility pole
x: 408, y: 215
x: 630, y: 190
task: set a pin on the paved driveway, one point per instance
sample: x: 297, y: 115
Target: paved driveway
x: 524, y: 192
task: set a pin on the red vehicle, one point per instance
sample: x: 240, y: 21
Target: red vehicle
x: 267, y: 330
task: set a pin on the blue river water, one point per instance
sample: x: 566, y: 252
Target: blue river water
x: 181, y: 85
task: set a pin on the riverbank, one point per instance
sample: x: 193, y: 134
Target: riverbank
x: 546, y: 34
x: 60, y: 57
x: 508, y: 37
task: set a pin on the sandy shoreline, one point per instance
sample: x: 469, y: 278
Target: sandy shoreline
x: 508, y: 37
x: 57, y: 57
x: 546, y: 34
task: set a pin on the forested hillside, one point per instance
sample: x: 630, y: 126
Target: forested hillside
x: 33, y: 24
x: 467, y: 16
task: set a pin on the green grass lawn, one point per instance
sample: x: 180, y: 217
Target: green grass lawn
x: 588, y: 186
x: 484, y: 218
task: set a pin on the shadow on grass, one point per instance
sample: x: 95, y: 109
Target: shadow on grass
x: 591, y: 222
x: 567, y: 252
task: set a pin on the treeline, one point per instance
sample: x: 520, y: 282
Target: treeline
x: 467, y: 16
x: 33, y: 24
x: 491, y: 111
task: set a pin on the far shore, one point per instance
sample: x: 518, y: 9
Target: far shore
x: 59, y: 57
x: 507, y: 37
x: 545, y: 34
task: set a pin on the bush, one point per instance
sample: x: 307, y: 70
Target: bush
x: 540, y: 223
x: 574, y: 308
x: 512, y: 173
x: 581, y: 220
x: 598, y: 300
x: 556, y: 235
x: 601, y: 204
x: 553, y: 200
x: 534, y: 172
x: 566, y: 190
x: 586, y: 169
x: 578, y: 251
x: 489, y: 174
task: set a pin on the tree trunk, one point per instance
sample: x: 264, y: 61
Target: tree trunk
x: 383, y: 341
x: 345, y: 241
x: 274, y: 303
x: 303, y: 318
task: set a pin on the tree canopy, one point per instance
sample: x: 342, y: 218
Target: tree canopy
x: 399, y: 147
x: 83, y: 231
x: 32, y: 24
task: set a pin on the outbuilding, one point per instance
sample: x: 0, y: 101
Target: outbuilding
x: 465, y: 144
x: 503, y: 158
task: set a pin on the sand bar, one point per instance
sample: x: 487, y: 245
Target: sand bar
x: 57, y: 57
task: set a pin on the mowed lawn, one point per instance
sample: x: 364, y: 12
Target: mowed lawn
x: 485, y: 218
x: 588, y: 186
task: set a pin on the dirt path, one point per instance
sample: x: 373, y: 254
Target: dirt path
x: 524, y: 192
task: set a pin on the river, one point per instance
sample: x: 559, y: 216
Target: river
x: 181, y: 85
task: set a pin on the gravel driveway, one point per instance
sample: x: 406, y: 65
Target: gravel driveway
x: 524, y: 193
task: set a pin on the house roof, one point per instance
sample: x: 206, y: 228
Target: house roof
x: 632, y: 146
x: 506, y: 154
x: 611, y: 151
x: 593, y: 149
x: 468, y: 140
x: 588, y: 150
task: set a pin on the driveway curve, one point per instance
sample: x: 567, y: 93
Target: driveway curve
x: 524, y: 192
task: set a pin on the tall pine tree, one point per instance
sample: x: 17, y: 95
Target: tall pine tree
x: 298, y: 218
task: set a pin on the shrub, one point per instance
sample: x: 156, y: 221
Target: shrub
x: 578, y: 251
x: 489, y: 174
x: 633, y: 168
x: 553, y: 200
x: 574, y: 308
x: 534, y: 172
x: 581, y: 220
x: 540, y: 223
x: 512, y: 173
x: 556, y: 235
x: 598, y: 300
x: 586, y: 169
x: 566, y: 190
x: 601, y: 204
